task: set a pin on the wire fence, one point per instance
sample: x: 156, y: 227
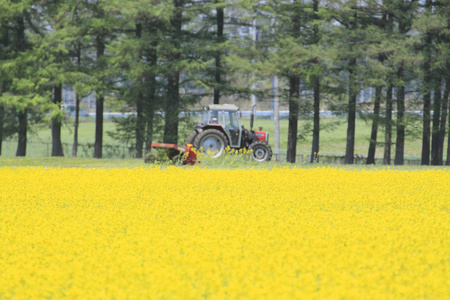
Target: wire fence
x: 44, y: 149
x: 339, y: 159
x: 86, y: 150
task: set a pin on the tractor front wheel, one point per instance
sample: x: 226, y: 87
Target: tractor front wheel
x: 212, y: 142
x: 261, y: 151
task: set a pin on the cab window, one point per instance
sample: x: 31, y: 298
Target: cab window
x: 216, y: 117
x: 231, y: 120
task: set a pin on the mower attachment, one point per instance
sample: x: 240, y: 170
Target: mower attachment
x: 191, y: 157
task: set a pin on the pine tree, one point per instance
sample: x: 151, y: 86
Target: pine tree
x: 351, y: 38
x: 21, y: 88
x: 295, y: 56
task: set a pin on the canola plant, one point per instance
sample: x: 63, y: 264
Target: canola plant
x: 193, y: 233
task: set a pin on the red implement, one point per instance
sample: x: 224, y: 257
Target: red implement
x: 191, y: 157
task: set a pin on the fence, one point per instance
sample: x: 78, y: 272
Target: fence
x: 44, y: 149
x: 339, y: 159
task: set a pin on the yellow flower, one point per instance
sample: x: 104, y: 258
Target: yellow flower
x: 287, y: 233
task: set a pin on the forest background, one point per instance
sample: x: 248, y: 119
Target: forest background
x: 161, y: 60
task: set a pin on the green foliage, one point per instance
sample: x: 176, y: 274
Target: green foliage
x: 150, y: 44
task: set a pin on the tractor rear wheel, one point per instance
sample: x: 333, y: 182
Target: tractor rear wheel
x: 191, y: 137
x: 212, y: 142
x: 261, y: 151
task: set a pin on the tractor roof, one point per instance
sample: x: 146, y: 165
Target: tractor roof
x: 231, y: 107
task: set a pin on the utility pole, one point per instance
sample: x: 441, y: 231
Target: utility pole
x: 253, y: 97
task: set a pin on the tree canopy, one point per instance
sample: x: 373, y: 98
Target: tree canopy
x: 159, y: 58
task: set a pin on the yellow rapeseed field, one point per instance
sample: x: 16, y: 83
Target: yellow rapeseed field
x: 194, y: 233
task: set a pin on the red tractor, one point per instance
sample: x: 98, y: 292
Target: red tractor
x: 220, y: 127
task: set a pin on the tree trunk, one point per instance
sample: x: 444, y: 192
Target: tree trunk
x: 447, y: 162
x: 140, y: 116
x: 316, y: 126
x: 57, y: 149
x: 77, y: 110
x: 425, y: 160
x: 149, y: 107
x: 22, y: 114
x: 388, y: 127
x: 218, y: 69
x: 351, y: 120
x: 149, y: 130
x: 150, y: 103
x: 140, y: 126
x: 172, y: 109
x: 316, y: 87
x: 400, y: 142
x: 98, y: 145
x: 436, y: 121
x: 373, y: 135
x: 443, y: 125
x: 4, y: 36
x: 437, y: 103
x: 2, y: 121
x: 2, y: 117
x: 22, y: 133
x: 294, y: 94
x: 173, y: 82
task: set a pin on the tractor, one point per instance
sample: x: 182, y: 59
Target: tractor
x: 220, y: 127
